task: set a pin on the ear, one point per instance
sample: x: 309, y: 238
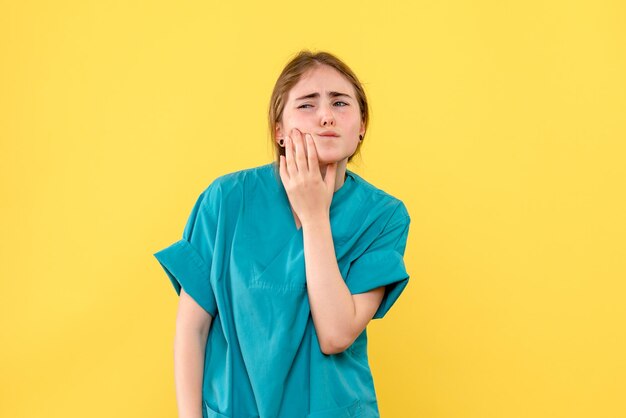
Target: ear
x: 362, y: 130
x: 279, y: 129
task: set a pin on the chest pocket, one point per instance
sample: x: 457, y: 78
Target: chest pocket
x: 286, y: 272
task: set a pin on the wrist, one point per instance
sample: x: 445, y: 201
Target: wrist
x: 315, y: 222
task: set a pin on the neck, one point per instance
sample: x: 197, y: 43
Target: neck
x: 341, y: 173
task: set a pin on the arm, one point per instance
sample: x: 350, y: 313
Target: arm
x: 339, y: 317
x: 192, y: 328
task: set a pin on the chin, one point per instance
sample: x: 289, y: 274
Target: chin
x: 328, y: 159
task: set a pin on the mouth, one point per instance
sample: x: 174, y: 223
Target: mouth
x: 328, y: 134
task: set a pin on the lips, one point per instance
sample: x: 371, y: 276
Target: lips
x: 328, y: 133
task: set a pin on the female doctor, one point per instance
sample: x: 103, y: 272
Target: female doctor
x: 282, y: 266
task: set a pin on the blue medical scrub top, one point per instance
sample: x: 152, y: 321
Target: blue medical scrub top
x: 242, y: 259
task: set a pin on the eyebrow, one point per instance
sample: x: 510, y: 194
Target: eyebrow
x: 330, y: 94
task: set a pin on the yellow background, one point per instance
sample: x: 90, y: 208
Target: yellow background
x: 500, y: 124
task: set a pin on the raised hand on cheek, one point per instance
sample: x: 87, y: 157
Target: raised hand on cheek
x: 309, y: 194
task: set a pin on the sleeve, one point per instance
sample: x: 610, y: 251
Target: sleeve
x: 382, y: 263
x: 187, y: 261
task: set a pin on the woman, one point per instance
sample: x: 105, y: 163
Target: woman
x: 286, y: 263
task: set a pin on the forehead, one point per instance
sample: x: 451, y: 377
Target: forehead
x: 321, y: 79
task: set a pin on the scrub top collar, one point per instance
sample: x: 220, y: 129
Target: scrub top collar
x: 338, y: 196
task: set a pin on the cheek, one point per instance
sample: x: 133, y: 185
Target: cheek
x: 291, y: 121
x: 353, y: 127
x: 352, y: 119
x: 301, y: 123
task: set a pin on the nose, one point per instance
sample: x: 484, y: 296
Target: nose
x: 327, y: 117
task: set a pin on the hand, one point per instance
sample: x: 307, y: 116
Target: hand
x: 310, y: 195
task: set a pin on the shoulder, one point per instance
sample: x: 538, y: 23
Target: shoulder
x: 381, y: 204
x: 231, y: 186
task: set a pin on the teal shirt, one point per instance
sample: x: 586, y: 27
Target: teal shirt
x: 241, y: 258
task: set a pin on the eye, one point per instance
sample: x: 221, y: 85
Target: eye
x: 306, y: 104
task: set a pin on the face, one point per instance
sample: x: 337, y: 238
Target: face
x: 331, y: 107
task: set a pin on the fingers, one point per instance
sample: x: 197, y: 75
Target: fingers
x: 312, y: 155
x: 284, y: 175
x: 300, y: 151
x: 289, y: 156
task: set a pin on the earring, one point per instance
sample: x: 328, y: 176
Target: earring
x: 281, y: 142
x: 360, y: 138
